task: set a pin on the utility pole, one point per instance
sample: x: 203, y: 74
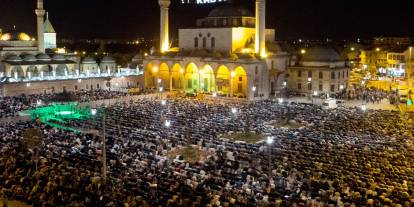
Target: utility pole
x: 104, y: 147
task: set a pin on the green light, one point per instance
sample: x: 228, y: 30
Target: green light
x: 59, y: 115
x: 409, y: 102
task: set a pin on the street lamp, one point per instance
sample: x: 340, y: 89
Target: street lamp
x: 214, y: 94
x: 309, y: 88
x: 364, y: 107
x: 233, y: 110
x: 167, y: 123
x: 254, y: 89
x: 163, y: 102
x: 280, y: 100
x: 269, y: 142
x: 315, y: 94
x: 93, y: 112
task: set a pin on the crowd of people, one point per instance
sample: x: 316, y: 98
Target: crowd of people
x: 11, y: 105
x: 343, y: 157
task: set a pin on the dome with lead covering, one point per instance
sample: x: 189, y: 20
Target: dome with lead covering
x: 14, y: 58
x: 321, y: 54
x: 88, y: 60
x: 29, y: 58
x: 58, y: 57
x: 108, y: 59
x: 230, y: 11
x: 43, y: 57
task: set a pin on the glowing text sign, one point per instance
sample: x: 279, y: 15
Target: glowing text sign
x: 202, y: 1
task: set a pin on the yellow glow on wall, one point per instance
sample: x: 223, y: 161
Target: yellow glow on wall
x: 5, y: 37
x: 240, y: 37
x: 61, y: 50
x: 263, y: 53
x: 247, y: 50
x: 24, y: 37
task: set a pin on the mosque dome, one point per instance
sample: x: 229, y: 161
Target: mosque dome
x: 108, y: 59
x: 88, y: 60
x: 29, y: 58
x: 43, y: 57
x: 15, y: 35
x: 14, y: 58
x: 230, y: 11
x: 58, y: 57
x: 321, y: 54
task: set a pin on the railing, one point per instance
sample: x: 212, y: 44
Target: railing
x: 122, y: 72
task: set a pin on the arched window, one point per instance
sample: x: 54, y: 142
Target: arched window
x: 213, y: 42
x: 196, y: 42
x: 204, y: 42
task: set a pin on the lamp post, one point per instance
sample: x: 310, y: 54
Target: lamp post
x: 363, y: 108
x: 254, y: 89
x: 315, y: 94
x: 269, y: 142
x: 93, y: 113
x: 309, y: 87
x: 363, y: 90
x: 232, y: 74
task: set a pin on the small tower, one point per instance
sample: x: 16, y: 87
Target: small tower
x: 49, y: 34
x: 164, y: 26
x: 261, y: 28
x: 40, y: 13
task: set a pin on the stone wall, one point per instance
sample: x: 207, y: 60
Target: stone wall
x: 57, y: 86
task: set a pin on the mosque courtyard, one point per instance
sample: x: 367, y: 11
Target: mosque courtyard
x: 177, y: 152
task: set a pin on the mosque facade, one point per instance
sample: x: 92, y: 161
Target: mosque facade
x: 228, y: 53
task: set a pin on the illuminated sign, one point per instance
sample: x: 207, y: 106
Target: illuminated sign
x: 203, y: 1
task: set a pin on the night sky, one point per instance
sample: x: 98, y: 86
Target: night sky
x: 127, y: 19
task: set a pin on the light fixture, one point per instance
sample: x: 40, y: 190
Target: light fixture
x: 28, y: 84
x: 269, y: 140
x: 315, y: 93
x: 214, y: 94
x: 163, y: 102
x: 161, y: 89
x: 280, y: 100
x: 167, y: 123
x: 233, y: 110
x: 93, y: 112
x: 254, y: 88
x: 364, y: 107
x: 233, y: 74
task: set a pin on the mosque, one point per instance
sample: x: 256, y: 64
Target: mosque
x: 28, y: 66
x: 230, y: 53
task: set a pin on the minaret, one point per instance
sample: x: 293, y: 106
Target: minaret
x: 164, y: 25
x: 261, y: 27
x: 40, y: 12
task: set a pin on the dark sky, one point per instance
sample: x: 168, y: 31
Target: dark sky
x: 316, y: 19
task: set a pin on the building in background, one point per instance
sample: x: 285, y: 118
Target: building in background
x: 29, y: 66
x: 319, y: 70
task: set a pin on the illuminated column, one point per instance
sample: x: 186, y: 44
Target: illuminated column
x: 40, y: 12
x: 164, y: 25
x: 260, y: 45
